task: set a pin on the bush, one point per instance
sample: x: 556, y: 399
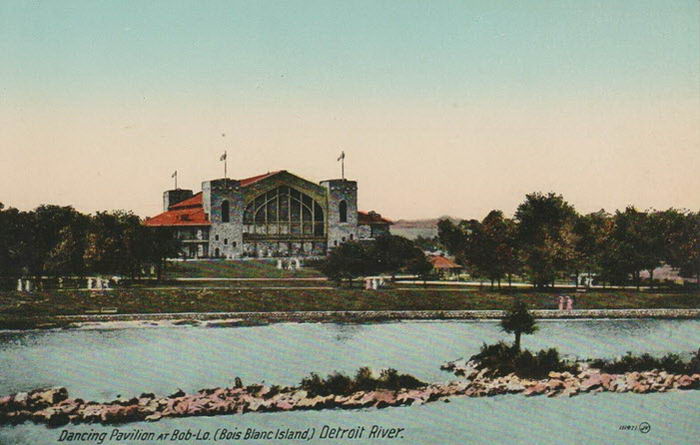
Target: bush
x: 671, y: 363
x: 502, y: 359
x: 340, y: 384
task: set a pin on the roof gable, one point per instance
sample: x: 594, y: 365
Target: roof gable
x: 194, y: 201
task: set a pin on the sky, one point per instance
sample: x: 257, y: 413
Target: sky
x: 442, y: 107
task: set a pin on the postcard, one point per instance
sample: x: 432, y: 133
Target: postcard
x: 363, y: 222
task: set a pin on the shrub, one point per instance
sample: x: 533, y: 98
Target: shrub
x: 340, y: 384
x: 502, y: 359
x: 671, y: 363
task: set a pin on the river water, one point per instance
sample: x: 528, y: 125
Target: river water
x: 101, y: 364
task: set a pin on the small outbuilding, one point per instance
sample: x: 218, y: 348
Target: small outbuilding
x: 445, y: 267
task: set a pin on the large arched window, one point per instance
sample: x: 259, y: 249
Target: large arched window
x: 284, y: 211
x: 225, y: 214
x: 343, y: 211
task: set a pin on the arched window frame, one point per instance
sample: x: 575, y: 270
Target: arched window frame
x: 303, y: 215
x: 225, y: 211
x: 343, y: 211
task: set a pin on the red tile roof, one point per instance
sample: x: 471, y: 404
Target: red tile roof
x: 194, y: 201
x: 440, y: 262
x: 371, y: 218
x: 189, y: 212
x: 252, y: 180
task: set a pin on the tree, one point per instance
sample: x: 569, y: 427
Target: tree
x: 347, y: 261
x: 683, y: 245
x: 518, y: 320
x: 420, y: 265
x: 427, y: 244
x: 451, y: 237
x: 635, y: 244
x: 545, y: 236
x: 495, y: 248
x: 591, y: 232
x: 391, y: 254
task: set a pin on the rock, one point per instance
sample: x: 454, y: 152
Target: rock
x: 640, y: 388
x: 592, y: 382
x: 153, y: 417
x: 554, y: 384
x: 5, y: 402
x: 569, y: 391
x: 21, y: 399
x: 284, y: 405
x: 514, y: 387
x: 537, y: 389
x: 685, y: 382
x: 49, y: 396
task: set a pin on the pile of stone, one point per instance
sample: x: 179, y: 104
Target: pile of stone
x: 568, y: 384
x: 54, y: 407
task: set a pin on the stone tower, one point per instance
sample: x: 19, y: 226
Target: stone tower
x: 342, y: 211
x: 222, y: 200
x: 171, y: 197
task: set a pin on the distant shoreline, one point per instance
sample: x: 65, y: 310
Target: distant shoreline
x: 231, y: 319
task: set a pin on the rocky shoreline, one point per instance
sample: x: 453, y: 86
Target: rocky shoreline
x: 54, y: 407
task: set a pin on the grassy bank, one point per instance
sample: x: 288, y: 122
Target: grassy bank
x: 16, y: 306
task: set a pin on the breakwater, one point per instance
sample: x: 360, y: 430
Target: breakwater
x: 54, y: 407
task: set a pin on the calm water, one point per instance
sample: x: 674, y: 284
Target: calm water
x: 101, y: 364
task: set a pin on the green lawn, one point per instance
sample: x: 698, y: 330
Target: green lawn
x: 234, y: 269
x: 14, y: 305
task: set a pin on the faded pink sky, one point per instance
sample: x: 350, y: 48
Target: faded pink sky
x: 411, y: 160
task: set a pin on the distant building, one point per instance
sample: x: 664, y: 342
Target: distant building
x: 444, y: 266
x: 271, y: 215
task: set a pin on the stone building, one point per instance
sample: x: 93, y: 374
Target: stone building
x: 276, y: 214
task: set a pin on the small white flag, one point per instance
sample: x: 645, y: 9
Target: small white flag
x: 342, y: 155
x: 174, y: 174
x: 223, y: 157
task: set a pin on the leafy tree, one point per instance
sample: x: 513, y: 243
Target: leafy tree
x: 420, y: 265
x: 391, y: 254
x: 591, y: 233
x: 518, y: 320
x: 15, y: 241
x: 635, y: 244
x: 66, y: 258
x: 451, y: 237
x: 427, y: 244
x: 492, y: 247
x: 683, y: 244
x: 347, y: 261
x: 545, y: 236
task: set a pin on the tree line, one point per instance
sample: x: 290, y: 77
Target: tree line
x: 60, y: 241
x: 547, y: 239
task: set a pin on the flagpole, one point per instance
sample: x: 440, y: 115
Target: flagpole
x: 225, y: 165
x: 175, y: 179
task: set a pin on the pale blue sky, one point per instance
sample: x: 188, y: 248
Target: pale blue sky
x: 467, y: 105
x: 332, y: 50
